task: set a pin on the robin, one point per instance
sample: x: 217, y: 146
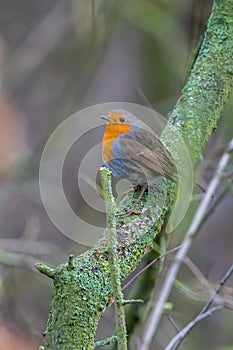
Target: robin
x: 133, y: 152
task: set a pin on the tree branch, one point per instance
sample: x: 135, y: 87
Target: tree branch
x: 81, y: 293
x: 115, y: 270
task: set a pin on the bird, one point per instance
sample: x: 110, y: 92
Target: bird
x: 132, y: 151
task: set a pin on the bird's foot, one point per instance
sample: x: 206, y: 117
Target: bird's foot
x: 129, y: 212
x: 133, y: 209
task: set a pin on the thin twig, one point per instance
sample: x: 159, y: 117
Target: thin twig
x: 105, y: 176
x: 174, y: 323
x: 142, y: 95
x: 148, y: 266
x: 175, y: 344
x: 157, y: 310
x: 133, y: 301
x: 199, y: 276
x: 213, y: 207
x: 183, y: 333
x: 221, y: 284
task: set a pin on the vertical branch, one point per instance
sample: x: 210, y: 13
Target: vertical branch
x: 105, y: 175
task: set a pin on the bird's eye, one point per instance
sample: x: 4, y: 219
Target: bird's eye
x: 122, y: 119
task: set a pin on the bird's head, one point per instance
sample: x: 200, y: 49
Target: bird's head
x: 119, y: 122
x: 119, y: 116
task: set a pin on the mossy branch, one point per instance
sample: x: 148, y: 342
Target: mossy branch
x: 115, y: 269
x: 82, y: 289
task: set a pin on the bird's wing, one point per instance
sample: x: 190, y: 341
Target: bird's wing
x: 145, y: 150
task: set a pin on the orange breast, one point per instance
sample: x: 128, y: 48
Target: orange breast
x: 113, y: 130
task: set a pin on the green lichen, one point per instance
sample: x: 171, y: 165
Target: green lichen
x: 210, y: 82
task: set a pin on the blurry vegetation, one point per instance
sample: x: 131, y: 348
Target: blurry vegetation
x: 57, y: 57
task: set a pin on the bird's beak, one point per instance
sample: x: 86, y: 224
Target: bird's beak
x: 105, y: 117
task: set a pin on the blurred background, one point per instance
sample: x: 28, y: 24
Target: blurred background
x: 57, y: 57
